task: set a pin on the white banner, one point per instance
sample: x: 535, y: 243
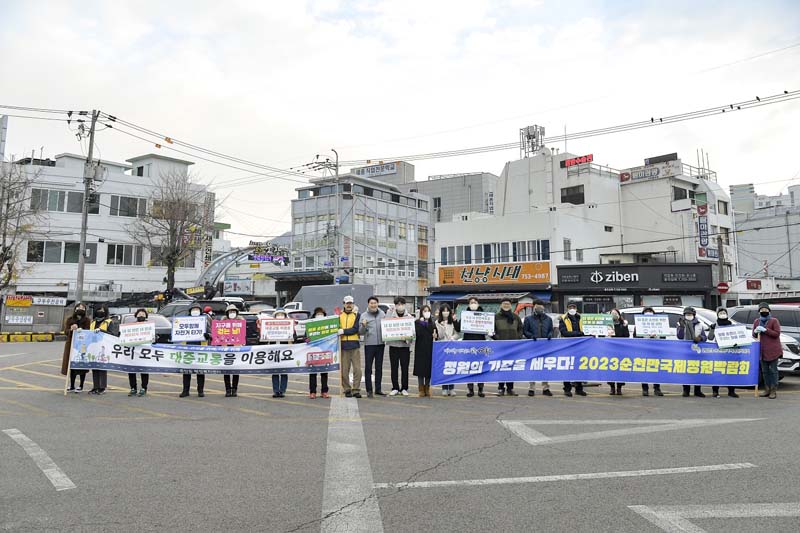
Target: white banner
x: 189, y: 328
x: 20, y: 319
x: 730, y: 336
x: 477, y: 322
x: 137, y: 333
x: 397, y: 329
x: 49, y: 300
x: 652, y: 325
x: 276, y: 329
x: 95, y: 349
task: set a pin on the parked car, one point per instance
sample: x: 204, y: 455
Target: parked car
x: 788, y: 364
x: 260, y: 308
x: 251, y: 323
x: 163, y: 326
x: 181, y: 307
x: 787, y: 315
x: 238, y: 301
x: 300, y: 317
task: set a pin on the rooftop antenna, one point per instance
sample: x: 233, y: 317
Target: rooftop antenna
x: 531, y: 140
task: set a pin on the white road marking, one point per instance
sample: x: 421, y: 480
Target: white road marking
x: 522, y: 429
x: 349, y: 502
x: 564, y: 477
x: 56, y: 476
x: 675, y: 518
x: 12, y: 355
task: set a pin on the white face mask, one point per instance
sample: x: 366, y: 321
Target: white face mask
x: 688, y: 317
x: 426, y: 314
x: 445, y: 314
x: 572, y: 312
x: 319, y: 316
x: 649, y: 314
x: 231, y: 315
x: 723, y: 316
x: 473, y: 306
x: 195, y: 312
x: 400, y: 309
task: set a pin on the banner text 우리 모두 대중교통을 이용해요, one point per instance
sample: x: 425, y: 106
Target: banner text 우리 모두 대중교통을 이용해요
x: 99, y: 350
x: 594, y: 359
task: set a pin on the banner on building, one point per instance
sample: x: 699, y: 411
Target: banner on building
x: 229, y: 332
x: 528, y: 272
x: 597, y: 324
x: 397, y: 329
x: 137, y: 333
x: 189, y: 328
x: 95, y: 349
x: 594, y: 359
x: 479, y: 322
x: 276, y: 329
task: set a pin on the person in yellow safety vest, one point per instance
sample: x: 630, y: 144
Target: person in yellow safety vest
x: 349, y: 321
x: 570, y: 325
x: 102, y: 322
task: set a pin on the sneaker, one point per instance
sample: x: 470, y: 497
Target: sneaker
x: 732, y: 395
x: 715, y: 395
x: 276, y: 394
x: 369, y: 395
x: 481, y: 394
x: 312, y: 395
x: 645, y: 393
x: 184, y: 394
x: 470, y: 393
x: 531, y: 393
x: 357, y: 395
x: 380, y: 393
x: 201, y: 394
x: 404, y: 392
x: 445, y: 392
x: 100, y: 391
x: 348, y: 394
x: 658, y: 392
x: 568, y: 394
x: 132, y: 392
x: 326, y: 395
x: 547, y: 392
x: 699, y: 395
x: 142, y: 392
x: 394, y: 392
x: 281, y: 395
x: 453, y: 392
x: 512, y: 393
x: 685, y: 394
x: 580, y: 392
x: 71, y: 389
x: 501, y: 392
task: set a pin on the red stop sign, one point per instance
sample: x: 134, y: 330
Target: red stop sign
x: 723, y: 287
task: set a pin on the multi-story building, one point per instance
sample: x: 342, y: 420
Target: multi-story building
x: 767, y: 243
x: 381, y: 235
x: 745, y: 200
x: 115, y: 264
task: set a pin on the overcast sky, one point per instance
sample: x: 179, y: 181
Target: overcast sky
x: 278, y: 82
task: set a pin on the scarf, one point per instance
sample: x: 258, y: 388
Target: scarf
x: 764, y: 319
x: 508, y: 316
x: 724, y: 322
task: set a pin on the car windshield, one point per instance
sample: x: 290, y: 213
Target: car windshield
x: 159, y: 320
x: 710, y: 316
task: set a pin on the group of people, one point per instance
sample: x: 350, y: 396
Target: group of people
x: 356, y: 328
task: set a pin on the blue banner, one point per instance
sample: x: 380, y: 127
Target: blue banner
x: 594, y: 359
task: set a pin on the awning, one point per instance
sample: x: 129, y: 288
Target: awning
x: 544, y: 296
x: 495, y: 296
x: 445, y: 296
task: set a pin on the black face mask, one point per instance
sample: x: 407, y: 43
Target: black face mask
x: 99, y: 315
x: 764, y: 313
x: 80, y: 313
x: 141, y: 318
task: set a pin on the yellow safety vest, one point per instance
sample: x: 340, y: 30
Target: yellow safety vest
x: 347, y: 321
x: 568, y: 323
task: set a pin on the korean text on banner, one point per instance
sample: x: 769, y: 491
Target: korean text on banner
x: 478, y: 322
x: 594, y: 359
x: 596, y: 324
x: 98, y: 350
x: 397, y: 329
x: 137, y: 333
x: 652, y: 326
x: 321, y: 327
x: 229, y: 332
x: 189, y: 329
x: 730, y: 336
x: 276, y: 329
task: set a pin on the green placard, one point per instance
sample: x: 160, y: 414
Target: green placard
x: 316, y: 328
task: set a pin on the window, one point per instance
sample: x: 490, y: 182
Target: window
x: 479, y: 253
x: 186, y: 262
x: 124, y: 254
x: 679, y: 194
x: 72, y: 252
x: 370, y: 265
x: 401, y: 267
x: 545, y: 250
x: 451, y: 254
x: 722, y: 207
x: 359, y: 264
x: 437, y: 202
x: 504, y: 255
x: 725, y: 233
x: 444, y: 256
x: 310, y: 261
x: 567, y: 250
x: 572, y: 195
x: 35, y: 251
x: 381, y: 266
x: 297, y: 226
x: 519, y: 251
x: 392, y: 230
x: 468, y: 254
x: 382, y: 227
x: 609, y: 229
x: 459, y: 255
x: 401, y: 234
x: 298, y: 262
x: 423, y: 205
x: 51, y: 200
x: 422, y: 269
x: 139, y: 171
x: 390, y: 267
x: 411, y: 232
x: 303, y: 194
x: 311, y: 224
x: 487, y: 253
x: 359, y: 223
x: 127, y: 206
x: 422, y: 233
x: 410, y: 269
x: 370, y: 225
x: 579, y: 255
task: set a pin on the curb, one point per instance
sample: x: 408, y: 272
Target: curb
x: 29, y: 336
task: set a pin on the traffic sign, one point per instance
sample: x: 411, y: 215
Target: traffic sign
x: 723, y: 287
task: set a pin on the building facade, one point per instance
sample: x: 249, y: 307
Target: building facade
x: 115, y: 264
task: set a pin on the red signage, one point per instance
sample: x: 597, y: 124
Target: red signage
x: 753, y: 284
x: 624, y: 176
x: 577, y: 161
x: 723, y: 287
x: 702, y: 210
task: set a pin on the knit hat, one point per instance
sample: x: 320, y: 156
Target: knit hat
x: 689, y: 310
x: 764, y: 305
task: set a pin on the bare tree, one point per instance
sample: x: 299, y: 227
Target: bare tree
x: 180, y: 212
x: 18, y: 216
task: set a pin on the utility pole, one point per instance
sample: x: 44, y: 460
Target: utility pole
x: 789, y: 245
x: 337, y: 224
x: 88, y: 181
x: 721, y: 264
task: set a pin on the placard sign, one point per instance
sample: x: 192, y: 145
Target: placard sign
x: 596, y: 324
x: 397, y: 329
x: 479, y: 322
x: 188, y: 329
x: 316, y: 328
x: 652, y: 325
x: 730, y: 336
x: 276, y: 329
x: 137, y: 333
x: 229, y: 332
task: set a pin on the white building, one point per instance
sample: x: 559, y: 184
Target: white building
x: 115, y: 265
x: 745, y: 199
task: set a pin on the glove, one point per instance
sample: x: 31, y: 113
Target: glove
x: 341, y: 331
x: 760, y: 329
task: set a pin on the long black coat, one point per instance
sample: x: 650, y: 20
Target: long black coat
x: 82, y: 323
x: 423, y: 348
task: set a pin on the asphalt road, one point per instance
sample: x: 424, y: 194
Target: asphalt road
x: 255, y: 463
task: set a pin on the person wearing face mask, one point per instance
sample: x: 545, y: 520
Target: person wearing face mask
x: 538, y: 326
x: 619, y: 329
x: 767, y: 329
x: 425, y: 331
x: 102, y: 322
x: 447, y: 329
x: 373, y: 345
x: 312, y: 378
x: 350, y: 343
x: 399, y: 352
x: 77, y: 320
x: 280, y: 382
x: 196, y: 311
x: 649, y: 311
x: 141, y: 316
x: 473, y: 305
x: 570, y: 325
x: 691, y: 329
x: 722, y: 320
x: 507, y: 327
x: 232, y: 380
